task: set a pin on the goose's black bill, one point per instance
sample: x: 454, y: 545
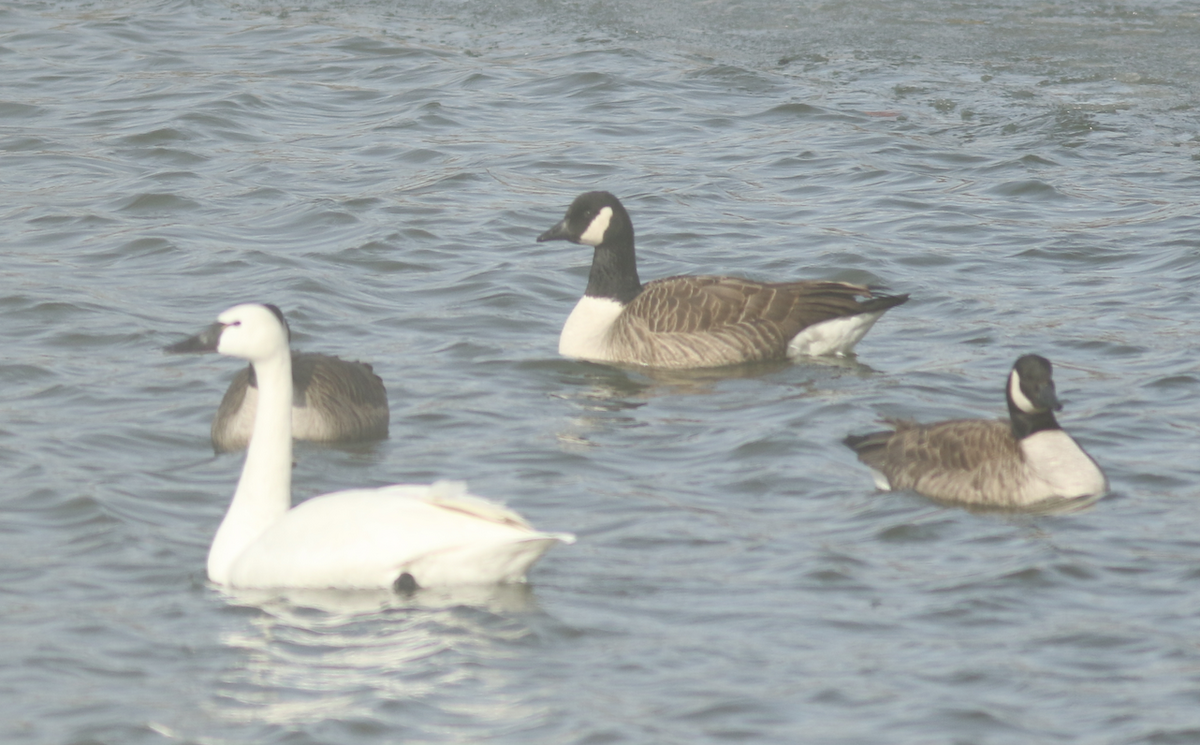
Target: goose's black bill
x: 560, y: 232
x: 1037, y: 383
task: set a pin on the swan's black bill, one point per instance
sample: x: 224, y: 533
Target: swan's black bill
x: 205, y: 341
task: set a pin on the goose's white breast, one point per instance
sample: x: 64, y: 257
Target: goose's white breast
x: 1054, y: 457
x: 585, y: 334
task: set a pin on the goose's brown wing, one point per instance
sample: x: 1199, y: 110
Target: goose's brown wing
x: 351, y: 389
x: 964, y: 460
x: 315, y: 374
x: 346, y: 398
x: 706, y: 320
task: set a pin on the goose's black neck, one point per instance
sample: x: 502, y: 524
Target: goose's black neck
x: 1031, y: 382
x: 614, y: 265
x: 1025, y: 424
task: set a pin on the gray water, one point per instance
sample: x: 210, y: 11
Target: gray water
x: 1028, y: 171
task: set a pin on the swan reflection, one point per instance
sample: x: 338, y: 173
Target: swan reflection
x: 308, y: 656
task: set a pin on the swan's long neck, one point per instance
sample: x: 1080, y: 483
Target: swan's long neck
x: 264, y: 492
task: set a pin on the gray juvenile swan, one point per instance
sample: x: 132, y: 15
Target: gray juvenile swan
x: 403, y: 536
x: 698, y: 321
x: 989, y: 462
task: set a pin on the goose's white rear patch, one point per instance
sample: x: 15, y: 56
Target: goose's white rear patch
x: 1055, y: 458
x: 835, y: 336
x: 585, y: 334
x: 594, y: 235
x: 882, y: 482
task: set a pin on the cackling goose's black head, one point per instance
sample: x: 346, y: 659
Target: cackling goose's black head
x: 1032, y: 400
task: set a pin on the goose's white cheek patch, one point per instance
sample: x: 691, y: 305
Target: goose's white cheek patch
x: 594, y: 235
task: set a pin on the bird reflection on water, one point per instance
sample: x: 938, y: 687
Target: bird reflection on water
x: 308, y: 656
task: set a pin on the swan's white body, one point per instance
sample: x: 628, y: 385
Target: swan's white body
x: 438, y: 535
x: 367, y: 538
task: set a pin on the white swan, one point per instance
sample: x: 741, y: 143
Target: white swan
x: 403, y: 536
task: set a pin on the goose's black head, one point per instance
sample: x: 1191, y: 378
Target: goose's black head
x: 1032, y: 400
x: 596, y: 218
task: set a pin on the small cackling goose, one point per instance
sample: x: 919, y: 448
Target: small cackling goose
x: 404, y: 536
x: 336, y: 400
x: 698, y: 321
x: 989, y: 462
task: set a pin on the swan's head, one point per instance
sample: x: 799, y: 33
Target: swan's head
x: 251, y: 331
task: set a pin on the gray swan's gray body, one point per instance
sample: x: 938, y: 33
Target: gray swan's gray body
x: 698, y: 321
x: 334, y: 400
x: 1017, y: 463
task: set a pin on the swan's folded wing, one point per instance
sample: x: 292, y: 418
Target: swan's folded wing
x: 366, y: 538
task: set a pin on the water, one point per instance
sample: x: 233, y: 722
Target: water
x: 1028, y: 171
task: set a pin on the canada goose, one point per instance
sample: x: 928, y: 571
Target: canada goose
x: 336, y: 400
x: 698, y: 321
x: 403, y: 536
x: 989, y: 462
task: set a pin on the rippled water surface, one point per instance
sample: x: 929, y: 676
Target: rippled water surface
x: 1028, y: 171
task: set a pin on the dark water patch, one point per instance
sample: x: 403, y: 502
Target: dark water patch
x: 1029, y: 189
x: 1166, y: 736
x: 164, y: 135
x: 172, y: 156
x: 26, y: 142
x: 173, y: 177
x: 1173, y: 382
x: 228, y: 126
x: 157, y: 204
x: 12, y: 110
x: 745, y: 80
x: 152, y: 249
x: 914, y: 533
x: 421, y: 156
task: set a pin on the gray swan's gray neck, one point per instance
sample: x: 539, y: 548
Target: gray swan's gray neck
x: 264, y: 491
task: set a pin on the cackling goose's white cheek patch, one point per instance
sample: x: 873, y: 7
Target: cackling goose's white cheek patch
x: 1018, y: 396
